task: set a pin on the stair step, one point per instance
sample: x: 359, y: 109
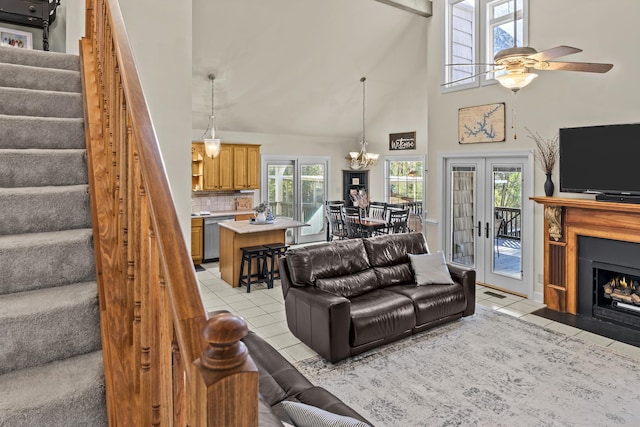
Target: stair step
x: 66, y: 393
x: 40, y: 209
x: 43, y: 260
x: 27, y: 319
x: 39, y: 58
x: 41, y: 103
x: 28, y: 77
x: 35, y: 167
x: 41, y: 132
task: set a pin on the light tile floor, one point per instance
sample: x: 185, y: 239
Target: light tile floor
x: 263, y: 309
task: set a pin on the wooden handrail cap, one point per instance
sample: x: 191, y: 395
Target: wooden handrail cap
x: 224, y: 328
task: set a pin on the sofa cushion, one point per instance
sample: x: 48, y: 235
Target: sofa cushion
x: 398, y: 274
x: 430, y: 268
x: 433, y: 302
x: 331, y: 259
x: 351, y: 285
x: 309, y: 416
x: 392, y: 249
x: 380, y: 314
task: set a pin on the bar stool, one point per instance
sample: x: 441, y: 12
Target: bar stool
x: 275, y: 250
x: 250, y: 253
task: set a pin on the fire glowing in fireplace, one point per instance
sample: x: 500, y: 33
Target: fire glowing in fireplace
x: 623, y: 290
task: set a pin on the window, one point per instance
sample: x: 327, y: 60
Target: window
x: 475, y: 30
x: 404, y: 179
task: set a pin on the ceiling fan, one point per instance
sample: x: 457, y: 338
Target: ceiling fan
x: 516, y: 61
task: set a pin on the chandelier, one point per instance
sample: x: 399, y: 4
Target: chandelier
x: 362, y: 159
x: 211, y: 142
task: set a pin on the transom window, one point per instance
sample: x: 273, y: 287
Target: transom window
x: 475, y: 30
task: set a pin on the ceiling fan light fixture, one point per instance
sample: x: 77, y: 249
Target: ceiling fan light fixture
x: 516, y: 80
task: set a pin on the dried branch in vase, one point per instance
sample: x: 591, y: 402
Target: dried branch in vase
x: 361, y: 199
x: 546, y: 151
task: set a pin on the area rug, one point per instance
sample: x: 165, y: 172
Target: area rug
x: 489, y: 369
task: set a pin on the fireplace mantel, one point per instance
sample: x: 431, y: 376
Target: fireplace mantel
x: 564, y: 221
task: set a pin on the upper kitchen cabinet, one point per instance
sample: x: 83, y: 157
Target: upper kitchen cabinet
x: 197, y: 166
x: 218, y: 172
x: 246, y: 167
x: 237, y: 167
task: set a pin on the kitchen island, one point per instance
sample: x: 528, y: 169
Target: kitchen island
x: 238, y: 234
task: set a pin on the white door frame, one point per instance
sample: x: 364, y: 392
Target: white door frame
x: 527, y: 205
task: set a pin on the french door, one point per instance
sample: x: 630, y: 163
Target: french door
x: 296, y: 188
x: 489, y: 219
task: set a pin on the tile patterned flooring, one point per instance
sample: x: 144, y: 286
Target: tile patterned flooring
x: 263, y: 309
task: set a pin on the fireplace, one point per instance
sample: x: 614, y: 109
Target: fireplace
x: 609, y: 280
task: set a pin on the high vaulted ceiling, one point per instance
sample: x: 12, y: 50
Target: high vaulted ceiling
x: 294, y: 66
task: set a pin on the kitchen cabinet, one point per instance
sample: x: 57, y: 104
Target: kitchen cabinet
x: 197, y: 166
x: 244, y: 217
x: 218, y: 171
x: 197, y: 230
x: 237, y: 167
x: 246, y: 167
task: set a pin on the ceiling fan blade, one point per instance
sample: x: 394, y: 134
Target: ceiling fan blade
x: 492, y: 64
x: 554, y: 52
x: 590, y: 67
x: 469, y: 77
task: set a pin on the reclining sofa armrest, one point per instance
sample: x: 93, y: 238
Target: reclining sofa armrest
x: 320, y: 320
x: 466, y: 277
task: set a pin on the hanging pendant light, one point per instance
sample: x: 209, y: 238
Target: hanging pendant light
x: 362, y: 159
x: 211, y: 141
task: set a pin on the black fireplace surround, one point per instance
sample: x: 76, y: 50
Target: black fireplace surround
x: 601, y: 261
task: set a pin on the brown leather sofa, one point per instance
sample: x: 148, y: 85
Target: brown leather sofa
x: 345, y: 297
x: 279, y: 380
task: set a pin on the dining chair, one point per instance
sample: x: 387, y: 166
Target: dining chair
x: 336, y: 223
x: 397, y: 222
x: 351, y: 217
x: 377, y: 210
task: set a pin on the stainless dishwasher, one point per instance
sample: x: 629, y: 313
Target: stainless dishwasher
x: 212, y: 237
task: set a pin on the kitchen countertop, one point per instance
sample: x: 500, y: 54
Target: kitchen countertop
x: 244, y: 227
x: 222, y: 213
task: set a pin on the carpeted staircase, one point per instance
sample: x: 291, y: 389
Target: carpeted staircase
x: 51, y: 370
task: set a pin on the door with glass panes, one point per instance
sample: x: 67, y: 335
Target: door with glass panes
x: 488, y: 220
x: 296, y: 188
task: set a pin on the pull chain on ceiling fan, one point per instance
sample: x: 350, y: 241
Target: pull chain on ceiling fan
x: 516, y: 62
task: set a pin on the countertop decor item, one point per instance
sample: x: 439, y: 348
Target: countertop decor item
x: 546, y: 157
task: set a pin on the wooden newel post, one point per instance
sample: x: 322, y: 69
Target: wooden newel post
x: 230, y: 377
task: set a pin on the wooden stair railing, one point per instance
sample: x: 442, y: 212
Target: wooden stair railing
x: 165, y: 362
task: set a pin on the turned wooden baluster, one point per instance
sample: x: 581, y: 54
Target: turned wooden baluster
x: 230, y: 377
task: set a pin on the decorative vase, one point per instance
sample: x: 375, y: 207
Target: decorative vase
x: 548, y: 186
x: 261, y: 217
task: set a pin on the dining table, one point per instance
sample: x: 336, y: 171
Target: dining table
x: 370, y: 225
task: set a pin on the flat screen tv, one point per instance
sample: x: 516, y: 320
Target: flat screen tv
x: 600, y: 159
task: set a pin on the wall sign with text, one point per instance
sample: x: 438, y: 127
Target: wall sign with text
x: 402, y: 141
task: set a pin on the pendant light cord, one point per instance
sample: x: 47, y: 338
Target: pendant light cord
x: 212, y: 78
x: 364, y: 140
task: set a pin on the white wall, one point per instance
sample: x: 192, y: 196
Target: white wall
x: 606, y: 32
x: 160, y: 36
x: 74, y: 31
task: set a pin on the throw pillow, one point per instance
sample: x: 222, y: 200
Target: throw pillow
x: 309, y: 416
x: 430, y: 269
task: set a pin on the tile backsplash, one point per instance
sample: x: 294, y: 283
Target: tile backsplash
x: 216, y: 202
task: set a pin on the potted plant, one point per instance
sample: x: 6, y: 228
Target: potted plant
x: 546, y: 157
x: 261, y: 211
